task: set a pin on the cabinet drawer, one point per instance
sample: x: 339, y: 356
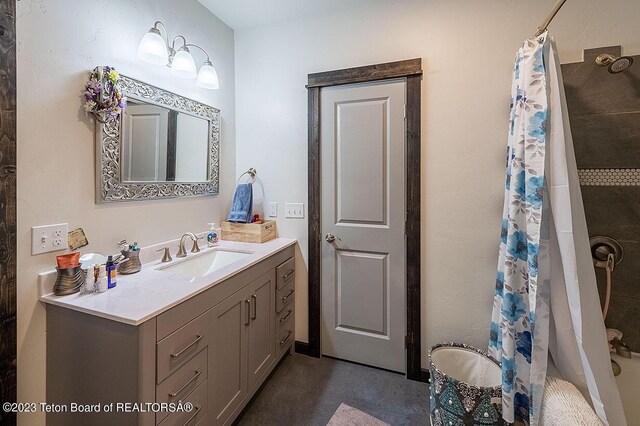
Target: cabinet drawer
x: 285, y: 295
x: 284, y: 318
x: 199, y: 400
x: 285, y: 273
x: 182, y: 382
x: 284, y: 338
x: 181, y: 345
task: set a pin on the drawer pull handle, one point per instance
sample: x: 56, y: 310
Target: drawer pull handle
x: 284, y: 318
x: 287, y: 275
x: 284, y: 298
x: 283, y: 341
x: 174, y: 394
x: 255, y: 306
x: 193, y: 416
x: 248, y: 306
x: 198, y: 338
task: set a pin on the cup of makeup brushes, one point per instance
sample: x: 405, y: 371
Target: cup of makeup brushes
x: 69, y: 280
x: 68, y: 260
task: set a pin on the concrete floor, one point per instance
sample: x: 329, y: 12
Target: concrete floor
x: 307, y: 391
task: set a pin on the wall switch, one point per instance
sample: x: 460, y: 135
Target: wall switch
x: 294, y: 210
x: 48, y: 238
x: 273, y: 210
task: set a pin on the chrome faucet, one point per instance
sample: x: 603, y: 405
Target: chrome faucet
x: 181, y: 250
x: 166, y: 257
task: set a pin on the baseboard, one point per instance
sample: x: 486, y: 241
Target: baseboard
x: 303, y: 348
x: 425, y: 376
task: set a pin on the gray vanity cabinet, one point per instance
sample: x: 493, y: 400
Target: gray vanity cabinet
x: 243, y: 345
x: 213, y: 350
x: 229, y: 385
x: 285, y: 307
x: 262, y: 350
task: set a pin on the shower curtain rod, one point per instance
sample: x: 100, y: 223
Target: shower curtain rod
x: 543, y: 27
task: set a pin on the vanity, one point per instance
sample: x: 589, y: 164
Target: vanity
x: 187, y: 341
x: 205, y: 330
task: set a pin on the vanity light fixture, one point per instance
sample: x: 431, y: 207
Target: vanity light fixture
x: 156, y: 50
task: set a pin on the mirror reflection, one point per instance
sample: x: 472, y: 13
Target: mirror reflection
x: 163, y: 145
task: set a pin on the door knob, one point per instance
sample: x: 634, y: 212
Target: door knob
x: 330, y: 237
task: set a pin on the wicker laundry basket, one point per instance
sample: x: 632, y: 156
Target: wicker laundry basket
x: 465, y: 386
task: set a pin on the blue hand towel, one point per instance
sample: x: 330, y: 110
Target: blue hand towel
x: 242, y: 208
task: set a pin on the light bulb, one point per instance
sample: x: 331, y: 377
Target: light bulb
x: 183, y: 64
x: 207, y: 76
x: 153, y: 49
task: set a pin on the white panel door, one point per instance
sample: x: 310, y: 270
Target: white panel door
x: 145, y: 143
x: 363, y: 207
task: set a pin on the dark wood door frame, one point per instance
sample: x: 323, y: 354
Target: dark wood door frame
x: 8, y: 268
x: 411, y: 70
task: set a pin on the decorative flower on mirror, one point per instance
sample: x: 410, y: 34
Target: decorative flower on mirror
x: 103, y: 95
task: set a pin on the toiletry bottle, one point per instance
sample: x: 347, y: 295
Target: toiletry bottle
x: 101, y: 284
x: 212, y: 236
x: 96, y: 275
x: 111, y: 273
x: 89, y: 281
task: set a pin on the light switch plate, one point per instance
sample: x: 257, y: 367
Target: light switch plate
x: 48, y: 238
x: 273, y: 209
x: 294, y: 210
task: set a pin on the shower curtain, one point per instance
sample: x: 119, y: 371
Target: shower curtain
x: 546, y: 299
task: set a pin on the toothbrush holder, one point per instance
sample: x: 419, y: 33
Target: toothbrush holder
x: 130, y: 264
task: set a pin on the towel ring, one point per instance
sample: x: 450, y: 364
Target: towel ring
x: 251, y: 172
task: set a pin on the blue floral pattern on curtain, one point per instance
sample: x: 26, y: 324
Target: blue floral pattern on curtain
x: 520, y: 299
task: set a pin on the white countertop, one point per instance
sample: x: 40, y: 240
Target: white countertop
x: 148, y: 293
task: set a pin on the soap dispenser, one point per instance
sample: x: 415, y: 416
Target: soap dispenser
x: 213, y: 235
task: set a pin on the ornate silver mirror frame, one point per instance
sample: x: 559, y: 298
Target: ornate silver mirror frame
x: 109, y: 184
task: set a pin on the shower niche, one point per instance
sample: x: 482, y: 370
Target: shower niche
x: 604, y: 112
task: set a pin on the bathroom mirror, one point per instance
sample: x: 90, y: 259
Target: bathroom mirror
x: 163, y: 145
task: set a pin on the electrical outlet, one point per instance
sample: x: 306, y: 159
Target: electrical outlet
x: 294, y: 210
x: 48, y: 238
x: 273, y: 209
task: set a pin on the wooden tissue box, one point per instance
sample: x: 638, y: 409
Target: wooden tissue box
x: 249, y: 232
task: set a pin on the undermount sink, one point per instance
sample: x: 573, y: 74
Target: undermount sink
x: 199, y: 265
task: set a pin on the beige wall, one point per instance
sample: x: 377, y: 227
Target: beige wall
x: 467, y: 47
x: 58, y: 43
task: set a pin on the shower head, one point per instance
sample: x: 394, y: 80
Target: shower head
x: 613, y: 64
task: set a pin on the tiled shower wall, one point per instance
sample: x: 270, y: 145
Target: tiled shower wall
x: 604, y: 110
